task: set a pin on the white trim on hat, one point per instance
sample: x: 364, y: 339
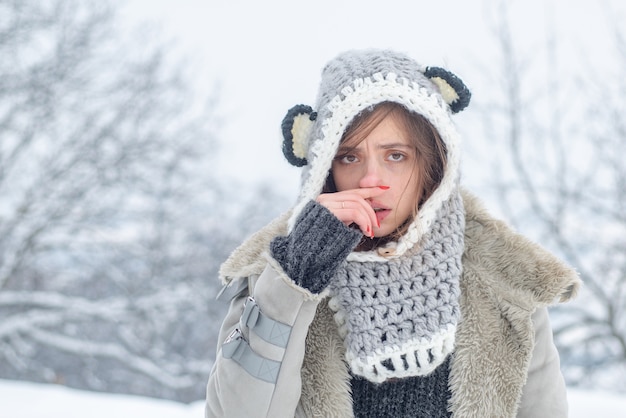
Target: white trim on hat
x: 365, y: 93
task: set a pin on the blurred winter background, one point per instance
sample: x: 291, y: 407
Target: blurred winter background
x: 139, y: 143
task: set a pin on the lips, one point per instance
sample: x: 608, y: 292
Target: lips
x: 380, y: 210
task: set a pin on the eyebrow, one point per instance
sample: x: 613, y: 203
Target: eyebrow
x: 395, y: 145
x: 345, y: 149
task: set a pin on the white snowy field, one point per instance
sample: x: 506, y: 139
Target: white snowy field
x: 31, y: 400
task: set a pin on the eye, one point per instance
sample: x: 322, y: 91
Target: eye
x: 396, y: 157
x: 347, y: 159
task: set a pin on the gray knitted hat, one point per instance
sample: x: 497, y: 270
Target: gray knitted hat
x: 355, y: 81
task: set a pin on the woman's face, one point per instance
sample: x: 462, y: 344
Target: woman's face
x: 385, y: 157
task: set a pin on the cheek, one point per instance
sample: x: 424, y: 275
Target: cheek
x: 342, y: 178
x: 409, y: 185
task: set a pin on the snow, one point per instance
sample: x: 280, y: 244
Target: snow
x: 33, y: 400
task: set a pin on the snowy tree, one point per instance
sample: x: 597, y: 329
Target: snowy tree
x: 110, y: 234
x: 559, y: 176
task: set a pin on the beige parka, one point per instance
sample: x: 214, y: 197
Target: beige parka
x: 505, y: 363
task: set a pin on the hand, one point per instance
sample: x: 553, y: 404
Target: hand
x: 318, y: 243
x: 352, y: 207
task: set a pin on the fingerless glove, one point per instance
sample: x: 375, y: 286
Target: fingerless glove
x: 317, y: 245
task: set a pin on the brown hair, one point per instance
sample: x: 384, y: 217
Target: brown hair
x: 430, y: 151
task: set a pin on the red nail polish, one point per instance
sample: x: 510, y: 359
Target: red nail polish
x: 383, y: 187
x: 378, y: 222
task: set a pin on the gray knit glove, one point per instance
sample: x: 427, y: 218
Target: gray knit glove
x: 317, y: 245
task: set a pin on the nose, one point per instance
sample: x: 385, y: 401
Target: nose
x: 371, y: 174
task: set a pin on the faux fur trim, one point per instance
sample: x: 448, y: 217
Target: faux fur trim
x: 528, y: 270
x: 247, y: 259
x: 506, y: 277
x: 529, y: 275
x: 325, y: 376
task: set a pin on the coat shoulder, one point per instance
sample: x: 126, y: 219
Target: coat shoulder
x: 514, y: 264
x: 248, y: 259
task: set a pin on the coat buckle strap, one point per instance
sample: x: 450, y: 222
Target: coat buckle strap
x: 274, y: 332
x: 236, y: 348
x: 232, y: 290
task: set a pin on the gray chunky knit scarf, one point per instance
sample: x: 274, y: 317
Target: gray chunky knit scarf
x: 398, y: 317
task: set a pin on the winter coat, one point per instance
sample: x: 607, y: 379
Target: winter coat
x: 504, y: 364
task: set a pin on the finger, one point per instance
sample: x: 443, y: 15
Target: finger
x: 358, y: 212
x: 364, y: 221
x: 368, y: 192
x: 361, y: 196
x: 343, y: 200
x: 350, y: 208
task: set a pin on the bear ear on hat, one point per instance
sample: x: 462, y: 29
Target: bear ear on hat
x: 296, y: 128
x: 453, y: 90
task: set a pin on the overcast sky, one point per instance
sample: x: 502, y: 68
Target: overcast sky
x: 267, y: 55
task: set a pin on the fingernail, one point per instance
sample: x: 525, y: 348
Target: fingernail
x: 378, y: 222
x: 383, y: 187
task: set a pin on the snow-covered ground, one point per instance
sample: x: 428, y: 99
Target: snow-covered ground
x: 30, y: 400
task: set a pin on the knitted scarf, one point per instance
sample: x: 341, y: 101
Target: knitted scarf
x: 398, y: 317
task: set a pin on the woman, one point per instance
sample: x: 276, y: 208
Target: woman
x: 387, y: 291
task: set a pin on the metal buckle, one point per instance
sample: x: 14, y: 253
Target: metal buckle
x: 250, y: 314
x: 236, y: 348
x: 232, y: 343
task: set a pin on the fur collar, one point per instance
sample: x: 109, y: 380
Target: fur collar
x: 486, y: 239
x: 248, y: 259
x: 527, y: 274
